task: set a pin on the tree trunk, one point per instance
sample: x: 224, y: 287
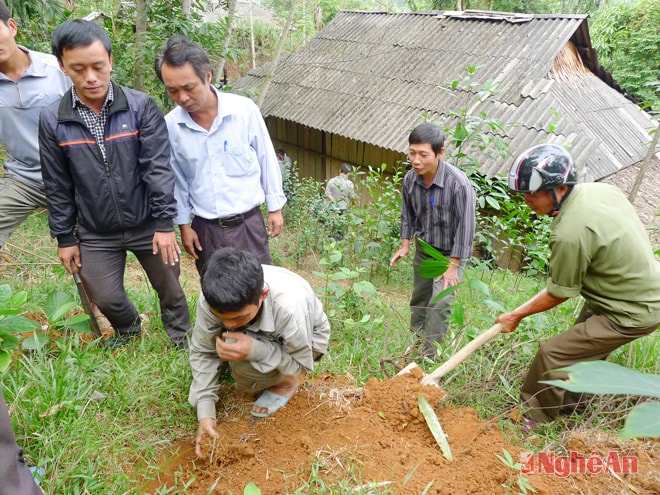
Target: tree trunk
x: 645, y: 165
x: 278, y: 53
x: 140, y: 40
x: 252, y: 53
x: 185, y: 7
x: 231, y: 11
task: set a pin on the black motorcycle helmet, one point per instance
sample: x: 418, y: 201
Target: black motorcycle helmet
x: 542, y: 168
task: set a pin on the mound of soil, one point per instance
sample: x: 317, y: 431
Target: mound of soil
x: 333, y: 433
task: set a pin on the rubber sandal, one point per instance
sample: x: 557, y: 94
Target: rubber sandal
x: 528, y: 425
x: 270, y: 400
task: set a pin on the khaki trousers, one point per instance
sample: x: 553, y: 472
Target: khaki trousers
x: 592, y: 338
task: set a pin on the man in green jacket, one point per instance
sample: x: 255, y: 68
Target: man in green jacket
x: 598, y: 250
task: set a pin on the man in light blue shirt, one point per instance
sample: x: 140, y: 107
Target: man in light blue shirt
x: 223, y: 158
x: 29, y: 81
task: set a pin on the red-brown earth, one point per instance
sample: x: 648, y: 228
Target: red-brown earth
x: 376, y: 436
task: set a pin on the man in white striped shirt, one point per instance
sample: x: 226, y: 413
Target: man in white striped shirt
x: 438, y: 206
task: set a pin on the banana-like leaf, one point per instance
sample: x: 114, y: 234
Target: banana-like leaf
x: 602, y: 377
x: 434, y: 426
x: 435, y: 267
x: 643, y: 421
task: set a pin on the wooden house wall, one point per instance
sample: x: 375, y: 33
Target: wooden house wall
x: 320, y: 154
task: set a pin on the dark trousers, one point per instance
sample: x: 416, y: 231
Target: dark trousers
x: 103, y: 258
x: 247, y: 235
x: 429, y: 320
x: 592, y: 338
x: 15, y: 476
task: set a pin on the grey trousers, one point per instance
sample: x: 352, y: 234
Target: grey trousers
x: 250, y: 235
x: 103, y: 259
x: 428, y: 320
x: 15, y: 476
x: 17, y: 201
x: 593, y: 337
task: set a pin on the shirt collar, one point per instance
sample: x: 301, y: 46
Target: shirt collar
x: 225, y: 108
x: 109, y: 98
x: 266, y: 320
x: 36, y: 68
x: 439, y: 179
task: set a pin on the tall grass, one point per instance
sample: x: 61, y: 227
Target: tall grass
x: 96, y: 419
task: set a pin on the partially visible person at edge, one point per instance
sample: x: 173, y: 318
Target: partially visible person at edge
x: 29, y: 81
x: 15, y: 475
x: 109, y: 184
x: 599, y: 250
x: 288, y: 174
x: 222, y: 156
x: 264, y: 322
x: 438, y: 206
x: 284, y: 161
x: 340, y: 190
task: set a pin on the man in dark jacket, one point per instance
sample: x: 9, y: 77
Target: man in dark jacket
x: 109, y: 186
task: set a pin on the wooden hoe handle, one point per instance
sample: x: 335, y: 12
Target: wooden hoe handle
x: 460, y: 356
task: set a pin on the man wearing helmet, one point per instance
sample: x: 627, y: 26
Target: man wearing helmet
x: 599, y: 250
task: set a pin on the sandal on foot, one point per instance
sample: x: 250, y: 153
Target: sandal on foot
x: 270, y: 401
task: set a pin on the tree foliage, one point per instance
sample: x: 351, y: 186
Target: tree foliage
x: 627, y: 40
x: 36, y: 17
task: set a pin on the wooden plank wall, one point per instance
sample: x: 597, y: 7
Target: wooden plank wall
x: 320, y: 154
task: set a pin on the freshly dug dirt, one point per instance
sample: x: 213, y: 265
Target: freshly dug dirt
x: 334, y: 434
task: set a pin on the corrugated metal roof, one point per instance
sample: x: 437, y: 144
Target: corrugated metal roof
x: 369, y: 76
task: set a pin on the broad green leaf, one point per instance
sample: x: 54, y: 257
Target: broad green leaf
x: 9, y: 340
x: 19, y: 324
x: 458, y: 314
x: 431, y: 251
x: 495, y: 305
x: 493, y: 202
x: 643, y: 422
x: 55, y: 304
x: 445, y: 292
x: 602, y: 377
x: 18, y: 299
x: 480, y: 286
x: 79, y: 323
x: 10, y: 311
x: 460, y: 133
x: 61, y: 312
x: 5, y: 294
x: 5, y: 360
x: 251, y: 489
x: 434, y: 425
x: 35, y: 342
x: 432, y: 268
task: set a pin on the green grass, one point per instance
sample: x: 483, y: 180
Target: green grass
x: 96, y: 420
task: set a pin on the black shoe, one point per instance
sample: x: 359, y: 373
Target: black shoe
x: 181, y: 344
x: 118, y: 340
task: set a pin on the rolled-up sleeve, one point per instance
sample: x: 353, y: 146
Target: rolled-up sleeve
x: 465, y: 202
x: 408, y: 218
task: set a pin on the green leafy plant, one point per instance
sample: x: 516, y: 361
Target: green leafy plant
x: 521, y: 484
x: 373, y: 228
x: 11, y: 323
x: 343, y: 290
x: 602, y: 377
x: 473, y: 135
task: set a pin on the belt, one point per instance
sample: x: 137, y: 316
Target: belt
x: 233, y: 220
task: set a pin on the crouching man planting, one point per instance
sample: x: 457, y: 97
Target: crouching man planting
x: 263, y: 321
